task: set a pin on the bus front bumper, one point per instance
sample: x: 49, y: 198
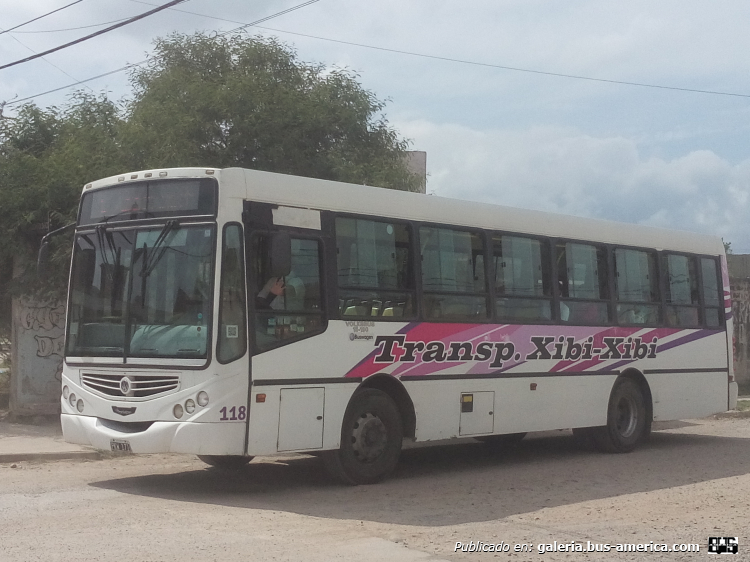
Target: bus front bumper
x: 161, y: 437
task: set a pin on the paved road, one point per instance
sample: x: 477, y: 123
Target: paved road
x: 691, y: 481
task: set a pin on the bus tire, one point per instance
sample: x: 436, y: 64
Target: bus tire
x: 502, y: 442
x: 626, y: 419
x: 225, y: 462
x: 371, y: 438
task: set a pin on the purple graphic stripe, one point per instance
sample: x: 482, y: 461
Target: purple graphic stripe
x: 697, y: 335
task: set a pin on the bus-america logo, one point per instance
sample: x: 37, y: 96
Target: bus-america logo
x: 396, y: 349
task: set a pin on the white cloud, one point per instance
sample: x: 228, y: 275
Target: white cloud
x: 566, y: 171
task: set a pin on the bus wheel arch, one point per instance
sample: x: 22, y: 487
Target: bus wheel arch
x: 395, y: 389
x: 628, y: 415
x: 642, y: 383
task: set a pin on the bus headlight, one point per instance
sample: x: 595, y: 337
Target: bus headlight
x: 177, y: 411
x: 66, y: 392
x: 72, y: 400
x: 189, y: 406
x: 79, y: 406
x: 202, y: 398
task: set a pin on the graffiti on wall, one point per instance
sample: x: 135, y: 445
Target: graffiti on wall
x: 38, y: 347
x: 741, y: 316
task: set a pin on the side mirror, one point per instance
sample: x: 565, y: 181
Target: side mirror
x: 281, y: 254
x: 42, y: 259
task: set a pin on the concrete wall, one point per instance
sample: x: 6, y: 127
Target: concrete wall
x: 739, y: 280
x: 37, y: 357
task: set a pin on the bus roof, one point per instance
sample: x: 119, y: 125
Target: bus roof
x: 310, y: 193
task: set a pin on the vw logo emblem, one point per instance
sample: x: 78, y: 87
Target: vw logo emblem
x: 125, y: 385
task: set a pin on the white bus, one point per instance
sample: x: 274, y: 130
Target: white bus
x: 234, y: 313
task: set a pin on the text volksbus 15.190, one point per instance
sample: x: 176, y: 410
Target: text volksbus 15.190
x: 234, y: 313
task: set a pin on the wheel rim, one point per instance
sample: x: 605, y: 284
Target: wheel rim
x: 369, y: 438
x: 627, y: 417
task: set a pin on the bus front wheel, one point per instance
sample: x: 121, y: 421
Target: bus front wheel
x: 371, y: 438
x: 225, y: 462
x: 626, y: 419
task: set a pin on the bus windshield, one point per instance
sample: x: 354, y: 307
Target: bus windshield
x: 142, y: 292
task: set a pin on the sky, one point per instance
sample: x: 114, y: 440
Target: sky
x: 661, y: 156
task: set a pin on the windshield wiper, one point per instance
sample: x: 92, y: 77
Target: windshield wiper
x: 158, y: 249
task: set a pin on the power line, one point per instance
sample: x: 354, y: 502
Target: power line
x: 72, y: 28
x: 77, y: 83
x: 514, y: 68
x: 40, y: 17
x: 277, y: 14
x: 396, y: 51
x: 44, y: 59
x: 95, y: 34
x: 172, y: 9
x: 127, y: 66
x: 474, y: 63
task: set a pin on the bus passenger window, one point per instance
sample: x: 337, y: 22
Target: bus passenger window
x: 637, y: 287
x: 374, y: 270
x: 681, y: 290
x: 711, y: 297
x: 582, y: 282
x: 522, y: 279
x: 453, y: 278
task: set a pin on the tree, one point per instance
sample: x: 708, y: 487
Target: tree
x: 249, y: 102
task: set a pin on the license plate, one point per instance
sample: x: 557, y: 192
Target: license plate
x: 120, y: 446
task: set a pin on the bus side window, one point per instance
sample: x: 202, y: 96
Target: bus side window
x: 522, y: 279
x: 374, y: 273
x: 711, y: 299
x: 232, y: 338
x: 681, y: 290
x: 450, y: 259
x: 583, y: 284
x: 637, y: 287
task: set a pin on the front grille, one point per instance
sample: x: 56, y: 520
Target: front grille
x: 131, y: 385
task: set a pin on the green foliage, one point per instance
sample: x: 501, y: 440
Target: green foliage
x: 200, y: 101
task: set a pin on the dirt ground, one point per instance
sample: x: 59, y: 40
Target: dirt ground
x: 689, y: 482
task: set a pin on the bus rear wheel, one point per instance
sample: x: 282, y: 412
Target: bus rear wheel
x: 371, y: 438
x: 626, y: 419
x: 225, y: 462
